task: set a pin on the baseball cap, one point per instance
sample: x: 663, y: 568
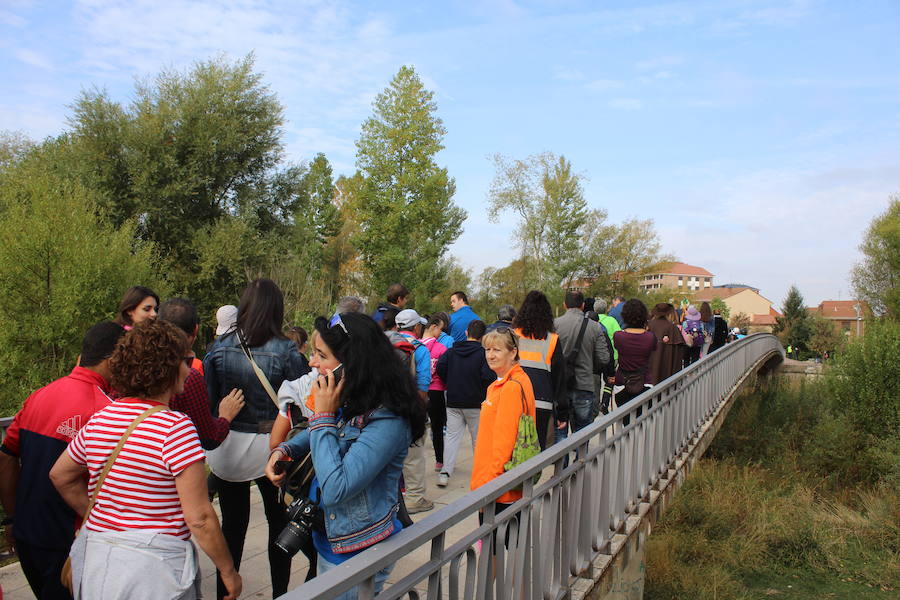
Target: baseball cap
x: 408, y: 318
x: 226, y: 318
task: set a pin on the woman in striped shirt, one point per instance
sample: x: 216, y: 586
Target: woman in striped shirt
x: 136, y: 540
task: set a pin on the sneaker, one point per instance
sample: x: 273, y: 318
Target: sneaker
x: 438, y: 466
x: 443, y: 480
x: 420, y: 505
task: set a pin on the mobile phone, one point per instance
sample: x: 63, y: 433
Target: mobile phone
x: 281, y: 466
x: 337, y: 372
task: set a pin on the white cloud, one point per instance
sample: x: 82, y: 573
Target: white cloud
x: 12, y: 19
x: 30, y: 57
x: 625, y: 104
x: 604, y: 85
x: 659, y: 62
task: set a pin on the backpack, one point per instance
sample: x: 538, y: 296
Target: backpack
x: 695, y: 330
x: 406, y: 350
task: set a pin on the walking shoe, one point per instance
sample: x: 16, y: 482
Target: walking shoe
x: 438, y: 466
x: 443, y: 480
x: 420, y: 505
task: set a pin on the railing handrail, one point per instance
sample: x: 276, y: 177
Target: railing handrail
x: 718, y: 372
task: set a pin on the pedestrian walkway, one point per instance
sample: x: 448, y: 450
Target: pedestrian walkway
x: 255, y: 564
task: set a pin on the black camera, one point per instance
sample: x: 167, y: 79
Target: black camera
x: 303, y: 517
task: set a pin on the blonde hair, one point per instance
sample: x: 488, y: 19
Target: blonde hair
x: 506, y: 340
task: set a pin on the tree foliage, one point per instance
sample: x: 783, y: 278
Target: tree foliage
x: 876, y: 278
x: 793, y: 327
x: 825, y: 336
x: 622, y: 254
x: 404, y: 208
x: 61, y: 271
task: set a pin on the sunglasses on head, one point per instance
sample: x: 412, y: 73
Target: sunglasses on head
x: 336, y: 320
x: 512, y: 334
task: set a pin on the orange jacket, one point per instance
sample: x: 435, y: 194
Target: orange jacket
x: 498, y: 427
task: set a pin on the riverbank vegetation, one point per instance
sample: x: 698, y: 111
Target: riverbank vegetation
x: 799, y: 495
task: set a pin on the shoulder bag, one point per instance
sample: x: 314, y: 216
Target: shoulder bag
x: 527, y: 444
x: 66, y: 573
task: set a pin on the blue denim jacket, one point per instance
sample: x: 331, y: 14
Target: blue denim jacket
x: 358, y: 465
x: 226, y: 367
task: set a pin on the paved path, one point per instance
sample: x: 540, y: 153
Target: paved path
x: 255, y: 567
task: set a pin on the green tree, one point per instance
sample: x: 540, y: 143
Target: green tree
x: 793, y: 327
x: 717, y: 304
x: 405, y: 210
x: 824, y: 336
x: 877, y: 277
x: 548, y: 198
x: 621, y: 254
x: 191, y: 148
x: 66, y: 274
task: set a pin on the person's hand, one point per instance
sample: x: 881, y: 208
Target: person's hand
x: 231, y: 405
x: 561, y: 424
x: 274, y: 476
x: 611, y: 380
x: 233, y: 584
x: 665, y: 339
x: 328, y: 395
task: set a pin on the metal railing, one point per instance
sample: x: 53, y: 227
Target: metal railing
x: 563, y: 522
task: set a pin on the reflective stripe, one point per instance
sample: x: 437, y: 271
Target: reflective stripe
x: 536, y: 354
x: 543, y: 405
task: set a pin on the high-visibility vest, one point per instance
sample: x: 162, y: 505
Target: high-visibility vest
x: 536, y: 354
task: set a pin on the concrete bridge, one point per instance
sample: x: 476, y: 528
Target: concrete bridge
x: 578, y: 532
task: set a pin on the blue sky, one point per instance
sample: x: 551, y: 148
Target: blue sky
x: 761, y: 136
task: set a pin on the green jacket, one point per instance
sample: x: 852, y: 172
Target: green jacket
x: 611, y: 325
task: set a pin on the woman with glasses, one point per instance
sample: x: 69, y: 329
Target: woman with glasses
x: 153, y: 499
x: 508, y: 398
x: 542, y: 358
x: 366, y: 414
x: 254, y: 357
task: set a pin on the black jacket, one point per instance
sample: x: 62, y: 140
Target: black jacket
x: 465, y: 371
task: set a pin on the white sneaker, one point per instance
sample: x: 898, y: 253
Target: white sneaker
x: 443, y: 480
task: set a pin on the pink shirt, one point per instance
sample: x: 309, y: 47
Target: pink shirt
x: 436, y: 349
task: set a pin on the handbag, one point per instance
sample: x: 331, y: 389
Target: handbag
x: 527, y: 444
x: 65, y: 575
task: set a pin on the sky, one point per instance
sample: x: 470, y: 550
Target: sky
x: 761, y: 136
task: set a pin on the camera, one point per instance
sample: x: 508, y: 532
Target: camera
x: 303, y: 517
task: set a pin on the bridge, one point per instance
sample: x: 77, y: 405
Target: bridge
x: 578, y: 532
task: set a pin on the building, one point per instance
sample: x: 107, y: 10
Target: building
x: 743, y: 299
x: 849, y: 316
x: 677, y: 275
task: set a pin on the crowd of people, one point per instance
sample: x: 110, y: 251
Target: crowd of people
x: 108, y: 465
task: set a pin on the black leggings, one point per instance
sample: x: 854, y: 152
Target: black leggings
x: 437, y: 413
x: 544, y: 427
x: 42, y: 567
x: 234, y: 500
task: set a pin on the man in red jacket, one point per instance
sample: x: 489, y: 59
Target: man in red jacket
x: 39, y: 524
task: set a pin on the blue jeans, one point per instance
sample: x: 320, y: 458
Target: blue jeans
x: 580, y: 404
x: 380, y: 577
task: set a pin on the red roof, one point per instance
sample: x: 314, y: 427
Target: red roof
x: 680, y: 268
x: 707, y: 294
x: 842, y: 309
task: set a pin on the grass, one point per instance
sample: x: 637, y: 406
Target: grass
x: 762, y: 515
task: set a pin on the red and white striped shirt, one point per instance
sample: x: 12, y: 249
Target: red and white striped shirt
x: 139, y: 491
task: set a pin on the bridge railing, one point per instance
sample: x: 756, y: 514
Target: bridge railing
x: 562, y: 523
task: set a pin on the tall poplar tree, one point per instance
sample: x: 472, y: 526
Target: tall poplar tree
x: 407, y: 218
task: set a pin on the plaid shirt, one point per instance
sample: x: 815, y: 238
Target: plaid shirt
x: 194, y: 402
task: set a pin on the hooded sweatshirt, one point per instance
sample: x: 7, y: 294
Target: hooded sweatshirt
x: 466, y: 373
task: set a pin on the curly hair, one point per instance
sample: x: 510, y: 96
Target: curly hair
x: 634, y: 314
x: 535, y: 317
x: 146, y: 360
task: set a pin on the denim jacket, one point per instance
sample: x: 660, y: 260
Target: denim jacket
x: 358, y: 465
x: 226, y: 367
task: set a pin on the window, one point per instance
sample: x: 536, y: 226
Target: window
x: 845, y: 325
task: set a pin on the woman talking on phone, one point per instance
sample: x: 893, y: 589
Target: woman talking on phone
x: 366, y: 413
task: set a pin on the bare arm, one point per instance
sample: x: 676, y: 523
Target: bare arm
x: 280, y: 429
x: 9, y: 480
x: 69, y: 479
x: 204, y: 525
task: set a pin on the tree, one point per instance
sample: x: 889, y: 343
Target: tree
x: 405, y: 210
x: 65, y: 275
x: 190, y: 149
x: 793, y: 327
x: 824, y: 336
x: 741, y: 320
x: 876, y: 278
x: 717, y: 304
x: 548, y: 197
x: 622, y: 254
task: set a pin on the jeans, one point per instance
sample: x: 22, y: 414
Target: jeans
x: 234, y: 500
x: 380, y: 577
x: 580, y: 404
x: 457, y: 421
